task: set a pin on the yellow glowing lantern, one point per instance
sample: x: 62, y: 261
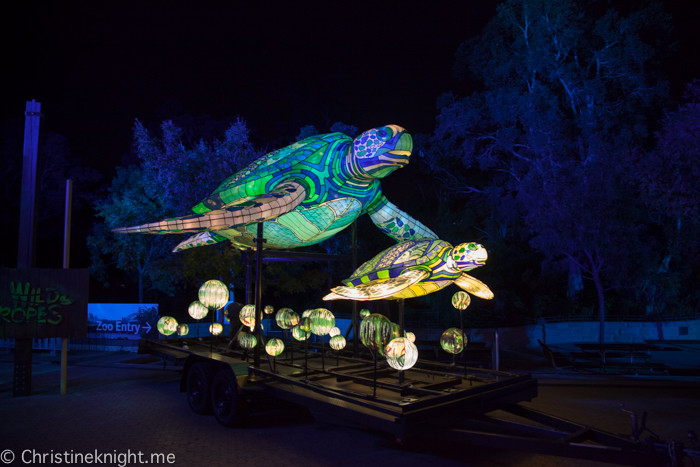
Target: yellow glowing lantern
x: 334, y: 332
x: 182, y: 329
x: 453, y: 341
x: 461, y: 300
x: 248, y: 341
x: 337, y: 342
x: 167, y: 325
x: 411, y: 337
x: 274, y: 347
x: 213, y: 294
x: 286, y: 318
x: 401, y: 354
x: 247, y: 316
x: 269, y: 309
x: 216, y: 328
x: 299, y: 334
x: 322, y: 321
x: 197, y: 310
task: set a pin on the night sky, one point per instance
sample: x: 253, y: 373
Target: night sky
x: 96, y: 66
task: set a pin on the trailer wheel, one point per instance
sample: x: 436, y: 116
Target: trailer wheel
x: 224, y: 397
x: 199, y: 379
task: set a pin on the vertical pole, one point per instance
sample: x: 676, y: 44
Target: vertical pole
x: 494, y: 351
x: 66, y: 265
x: 355, y: 317
x: 401, y: 331
x: 27, y: 237
x: 249, y: 277
x: 258, y: 293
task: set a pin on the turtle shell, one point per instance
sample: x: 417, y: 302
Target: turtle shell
x: 269, y: 169
x: 394, y: 260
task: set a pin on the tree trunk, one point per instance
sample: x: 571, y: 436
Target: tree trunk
x: 140, y: 287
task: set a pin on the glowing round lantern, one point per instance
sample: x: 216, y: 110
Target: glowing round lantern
x: 401, y: 354
x: 269, y: 309
x: 322, y: 321
x: 337, y: 342
x: 167, y: 325
x: 364, y: 313
x: 182, y: 329
x: 213, y: 294
x: 216, y: 328
x: 411, y: 337
x: 334, y: 332
x: 305, y: 323
x: 461, y: 300
x: 453, y: 341
x: 299, y: 334
x: 274, y: 347
x: 376, y: 332
x: 248, y: 341
x: 286, y: 318
x: 306, y: 313
x: 197, y: 310
x: 247, y: 316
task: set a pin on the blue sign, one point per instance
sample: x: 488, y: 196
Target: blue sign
x: 121, y: 320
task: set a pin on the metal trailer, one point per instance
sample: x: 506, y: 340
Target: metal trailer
x: 445, y: 402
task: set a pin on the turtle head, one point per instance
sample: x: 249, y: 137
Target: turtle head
x: 467, y: 256
x: 380, y: 151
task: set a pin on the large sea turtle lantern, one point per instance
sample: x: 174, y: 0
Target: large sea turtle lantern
x: 304, y: 193
x: 415, y: 268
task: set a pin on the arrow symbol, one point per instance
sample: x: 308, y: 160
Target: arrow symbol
x: 149, y: 327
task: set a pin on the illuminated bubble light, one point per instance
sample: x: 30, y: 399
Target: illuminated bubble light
x: 286, y: 318
x: 213, y: 294
x: 248, y: 341
x: 274, y: 347
x: 182, y: 329
x: 167, y: 325
x: 247, y: 316
x: 375, y: 332
x: 299, y: 334
x: 305, y: 323
x: 216, y: 328
x: 411, y: 337
x: 269, y: 309
x: 461, y: 300
x: 337, y: 342
x: 364, y: 313
x: 401, y: 353
x: 197, y: 310
x: 334, y: 332
x: 322, y: 321
x: 453, y: 341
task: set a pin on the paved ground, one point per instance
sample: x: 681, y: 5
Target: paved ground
x: 115, y: 407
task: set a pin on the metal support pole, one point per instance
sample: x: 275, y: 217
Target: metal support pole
x: 355, y: 317
x: 66, y: 265
x: 401, y: 331
x: 494, y: 351
x: 249, y: 277
x: 258, y: 291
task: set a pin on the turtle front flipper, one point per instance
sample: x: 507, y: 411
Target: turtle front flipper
x: 378, y: 290
x: 271, y: 205
x: 397, y: 224
x: 474, y: 286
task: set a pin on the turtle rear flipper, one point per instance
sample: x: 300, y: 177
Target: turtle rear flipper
x: 474, y: 286
x: 268, y: 206
x: 379, y: 290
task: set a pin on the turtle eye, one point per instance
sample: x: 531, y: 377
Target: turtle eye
x: 472, y: 246
x: 384, y: 135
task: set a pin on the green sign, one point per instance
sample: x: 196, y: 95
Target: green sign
x: 42, y: 303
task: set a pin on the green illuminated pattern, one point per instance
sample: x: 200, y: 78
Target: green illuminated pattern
x: 269, y: 309
x: 401, y: 354
x: 247, y: 316
x: 413, y: 269
x: 182, y: 329
x: 453, y: 341
x: 197, y: 310
x: 167, y: 325
x: 286, y: 318
x: 304, y: 193
x: 322, y: 321
x: 334, y: 332
x: 305, y: 323
x: 461, y: 300
x: 213, y: 294
x: 299, y: 334
x: 216, y: 328
x: 376, y: 332
x: 364, y: 313
x: 337, y: 342
x: 274, y: 347
x: 248, y: 341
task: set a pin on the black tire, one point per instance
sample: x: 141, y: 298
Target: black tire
x: 224, y: 398
x: 199, y: 380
